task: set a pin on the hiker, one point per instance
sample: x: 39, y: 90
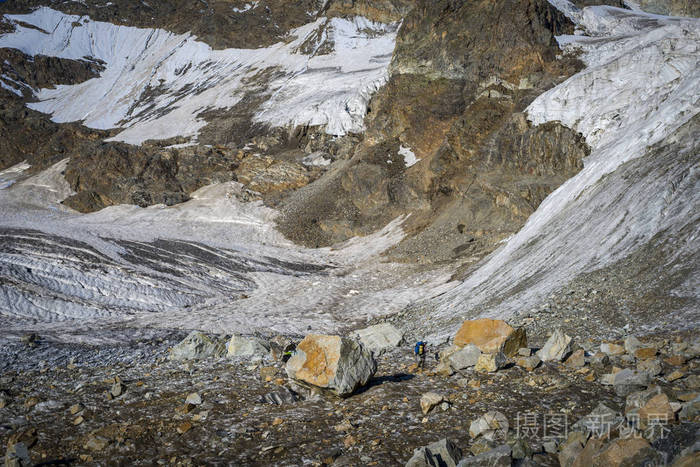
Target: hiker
x: 419, y: 353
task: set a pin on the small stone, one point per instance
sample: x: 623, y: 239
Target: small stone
x: 599, y: 358
x: 493, y: 425
x: 632, y: 344
x: 96, y: 443
x: 78, y: 420
x: 17, y: 455
x: 675, y: 360
x: 528, y: 363
x: 498, y: 457
x: 30, y: 402
x: 576, y: 359
x: 430, y: 400
x: 550, y: 447
x: 689, y: 396
x: 3, y: 402
x: 193, y: 398
x: 524, y: 351
x: 277, y: 421
x: 444, y: 453
x: 75, y: 408
x: 612, y: 349
x: 268, y: 373
x: 490, y: 363
x: 117, y: 389
x: 676, y: 375
x: 184, y: 427
x: 645, y: 353
x: 601, y: 416
x: 349, y: 441
x: 557, y: 347
x: 657, y: 408
x: 570, y: 449
x: 651, y: 366
x: 626, y: 452
x: 627, y: 381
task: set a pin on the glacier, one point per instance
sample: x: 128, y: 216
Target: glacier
x: 641, y: 85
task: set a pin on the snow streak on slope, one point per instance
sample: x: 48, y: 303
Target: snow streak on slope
x: 641, y: 84
x: 155, y: 83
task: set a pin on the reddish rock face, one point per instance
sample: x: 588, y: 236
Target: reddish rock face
x: 491, y: 336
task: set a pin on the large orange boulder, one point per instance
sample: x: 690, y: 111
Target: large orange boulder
x: 336, y: 363
x: 491, y: 336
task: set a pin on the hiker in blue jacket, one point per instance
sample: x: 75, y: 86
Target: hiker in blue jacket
x: 419, y: 352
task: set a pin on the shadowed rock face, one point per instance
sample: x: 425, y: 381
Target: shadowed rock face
x: 460, y: 83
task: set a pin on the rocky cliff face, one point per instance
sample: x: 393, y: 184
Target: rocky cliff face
x: 459, y: 84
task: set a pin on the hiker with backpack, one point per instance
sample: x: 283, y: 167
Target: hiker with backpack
x: 419, y: 352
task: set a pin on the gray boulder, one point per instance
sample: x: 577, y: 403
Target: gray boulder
x: 198, y: 346
x: 443, y: 453
x: 379, y: 338
x: 455, y: 359
x: 248, y: 347
x: 599, y: 422
x: 501, y: 456
x: 280, y: 397
x: 628, y: 381
x: 557, y: 347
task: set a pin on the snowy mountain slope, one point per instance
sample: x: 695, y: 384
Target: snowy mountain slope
x: 156, y: 83
x: 641, y: 88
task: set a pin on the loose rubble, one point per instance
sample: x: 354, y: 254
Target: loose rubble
x: 616, y: 413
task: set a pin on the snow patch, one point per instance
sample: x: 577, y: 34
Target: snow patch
x: 246, y: 7
x: 9, y: 176
x: 409, y: 157
x: 156, y: 83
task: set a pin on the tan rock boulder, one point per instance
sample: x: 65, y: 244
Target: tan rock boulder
x: 430, y: 400
x: 491, y: 336
x: 338, y: 364
x: 625, y: 452
x: 576, y: 359
x: 528, y: 363
x: 657, y: 408
x: 490, y: 362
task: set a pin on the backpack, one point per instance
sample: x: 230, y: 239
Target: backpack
x: 420, y: 348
